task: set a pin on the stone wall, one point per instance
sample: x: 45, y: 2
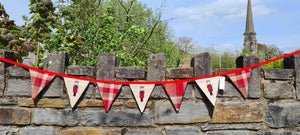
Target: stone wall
x: 272, y: 107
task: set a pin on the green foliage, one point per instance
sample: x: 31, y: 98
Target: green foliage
x: 40, y: 25
x: 227, y: 60
x: 86, y: 28
x: 11, y: 37
x: 274, y: 65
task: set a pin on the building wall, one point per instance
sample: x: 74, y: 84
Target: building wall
x: 272, y: 107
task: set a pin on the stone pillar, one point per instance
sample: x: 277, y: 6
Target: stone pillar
x: 297, y: 71
x: 55, y: 62
x: 156, y: 72
x: 105, y: 68
x: 255, y: 79
x: 202, y: 67
x: 7, y: 55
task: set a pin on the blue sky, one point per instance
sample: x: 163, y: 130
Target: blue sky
x: 218, y: 23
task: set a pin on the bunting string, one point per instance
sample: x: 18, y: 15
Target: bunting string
x: 161, y: 82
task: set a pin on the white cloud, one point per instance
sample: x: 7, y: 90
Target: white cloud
x: 222, y: 10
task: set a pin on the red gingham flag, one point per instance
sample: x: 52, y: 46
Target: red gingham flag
x: 241, y: 80
x: 108, y: 93
x: 175, y: 92
x: 38, y: 81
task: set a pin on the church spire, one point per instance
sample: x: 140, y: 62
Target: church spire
x: 250, y: 41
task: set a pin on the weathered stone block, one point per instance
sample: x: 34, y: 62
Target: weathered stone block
x: 89, y: 92
x: 228, y: 133
x: 158, y: 92
x: 283, y: 115
x: 19, y: 87
x: 179, y: 73
x: 279, y: 74
x: 80, y: 70
x: 88, y: 132
x: 156, y: 67
x: 124, y: 118
x: 230, y: 127
x: 55, y: 62
x: 39, y: 131
x: 8, y: 102
x: 278, y: 133
x: 130, y: 73
x: 188, y: 94
x: 202, y: 65
x: 183, y: 131
x: 9, y: 116
x: 53, y: 117
x: 125, y: 92
x: 9, y: 131
x: 278, y: 91
x: 237, y: 112
x: 17, y: 71
x: 246, y: 61
x: 7, y: 55
x: 254, y: 83
x: 106, y: 66
x: 143, y: 133
x: 190, y: 112
x: 43, y: 103
x: 297, y: 70
x: 289, y: 62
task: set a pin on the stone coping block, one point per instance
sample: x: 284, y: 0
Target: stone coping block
x: 80, y: 70
x: 130, y: 73
x: 16, y: 71
x: 278, y: 74
x: 179, y: 73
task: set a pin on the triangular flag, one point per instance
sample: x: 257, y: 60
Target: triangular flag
x: 108, y: 93
x: 175, y: 92
x: 222, y: 83
x: 241, y: 80
x: 209, y: 87
x: 75, y: 89
x: 38, y: 81
x: 141, y: 94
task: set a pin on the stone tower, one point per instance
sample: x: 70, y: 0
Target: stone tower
x: 250, y: 41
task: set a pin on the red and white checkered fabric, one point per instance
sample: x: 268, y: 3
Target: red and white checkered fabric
x: 108, y: 93
x: 38, y: 81
x: 241, y: 80
x: 175, y: 92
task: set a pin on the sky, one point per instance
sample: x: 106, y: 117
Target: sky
x: 217, y: 23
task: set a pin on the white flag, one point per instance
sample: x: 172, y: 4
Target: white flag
x: 75, y: 89
x: 209, y: 86
x: 141, y: 94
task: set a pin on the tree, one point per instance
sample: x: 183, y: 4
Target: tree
x: 129, y: 28
x: 11, y: 36
x: 40, y: 24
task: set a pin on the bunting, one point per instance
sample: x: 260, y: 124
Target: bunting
x: 75, y: 89
x: 175, y: 92
x: 222, y: 83
x: 141, y: 94
x: 241, y: 80
x: 209, y: 87
x: 38, y: 81
x: 108, y: 93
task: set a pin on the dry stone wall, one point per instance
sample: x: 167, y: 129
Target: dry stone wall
x: 272, y: 107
